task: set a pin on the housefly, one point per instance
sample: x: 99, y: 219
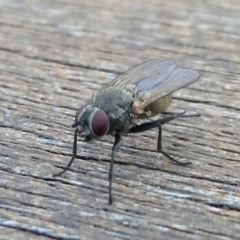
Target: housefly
x: 140, y: 93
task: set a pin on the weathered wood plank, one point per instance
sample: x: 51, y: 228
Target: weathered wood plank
x: 53, y: 56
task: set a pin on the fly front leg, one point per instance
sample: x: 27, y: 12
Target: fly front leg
x: 73, y: 156
x: 116, y: 145
x: 158, y: 123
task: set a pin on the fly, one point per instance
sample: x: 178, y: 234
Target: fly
x: 140, y: 93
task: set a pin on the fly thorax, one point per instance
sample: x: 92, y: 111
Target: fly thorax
x: 116, y: 103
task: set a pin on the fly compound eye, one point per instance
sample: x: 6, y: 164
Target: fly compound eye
x: 100, y: 123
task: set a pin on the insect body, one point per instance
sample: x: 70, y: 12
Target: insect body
x: 140, y: 93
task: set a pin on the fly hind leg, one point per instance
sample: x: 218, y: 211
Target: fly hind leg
x: 158, y: 123
x: 159, y: 147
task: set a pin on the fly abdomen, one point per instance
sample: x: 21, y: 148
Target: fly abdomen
x: 157, y: 107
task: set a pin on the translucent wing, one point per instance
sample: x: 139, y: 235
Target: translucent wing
x: 155, y: 79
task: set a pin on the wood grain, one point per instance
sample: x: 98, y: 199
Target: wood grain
x: 53, y: 56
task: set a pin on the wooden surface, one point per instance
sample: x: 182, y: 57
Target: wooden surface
x: 53, y: 55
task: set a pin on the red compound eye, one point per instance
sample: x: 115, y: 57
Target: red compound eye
x: 100, y: 123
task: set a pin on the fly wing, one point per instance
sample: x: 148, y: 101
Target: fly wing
x: 154, y: 79
x: 158, y: 68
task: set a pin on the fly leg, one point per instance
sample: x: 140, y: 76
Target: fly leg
x: 116, y: 145
x: 159, y: 146
x: 73, y: 156
x: 158, y: 123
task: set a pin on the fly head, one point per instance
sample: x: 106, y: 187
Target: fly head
x: 91, y: 122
